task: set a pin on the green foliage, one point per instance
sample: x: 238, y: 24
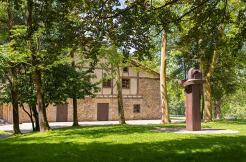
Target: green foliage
x: 111, y: 59
x: 176, y: 98
x: 14, y: 52
x: 13, y: 56
x: 45, y: 46
x: 234, y: 105
x: 119, y: 30
x: 26, y: 89
x: 64, y: 82
x: 114, y: 57
x: 205, y: 27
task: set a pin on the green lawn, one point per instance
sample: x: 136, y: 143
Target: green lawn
x: 126, y: 143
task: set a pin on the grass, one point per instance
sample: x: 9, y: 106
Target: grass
x: 2, y: 133
x: 126, y: 143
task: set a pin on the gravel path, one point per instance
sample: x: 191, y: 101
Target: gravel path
x: 27, y: 127
x: 202, y: 131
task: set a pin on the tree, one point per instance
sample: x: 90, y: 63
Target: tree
x: 113, y: 66
x: 74, y: 96
x: 50, y: 29
x: 27, y: 97
x: 163, y: 81
x: 46, y: 34
x: 10, y: 59
x: 211, y: 28
x: 69, y: 81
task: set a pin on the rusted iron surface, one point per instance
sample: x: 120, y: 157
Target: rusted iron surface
x: 193, y: 90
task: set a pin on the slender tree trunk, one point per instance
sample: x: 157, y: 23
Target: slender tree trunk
x: 45, y: 107
x: 14, y: 97
x: 202, y: 105
x: 35, y: 115
x: 10, y: 18
x: 207, y: 114
x: 202, y: 91
x: 208, y: 69
x: 207, y: 96
x: 43, y: 122
x: 14, y: 93
x: 163, y: 81
x: 75, y: 105
x: 29, y: 114
x: 75, y: 112
x: 217, y: 109
x: 120, y: 97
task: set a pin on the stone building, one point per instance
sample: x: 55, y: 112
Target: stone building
x: 141, y: 99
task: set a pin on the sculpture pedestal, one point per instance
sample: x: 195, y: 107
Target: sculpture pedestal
x: 193, y: 89
x: 192, y: 111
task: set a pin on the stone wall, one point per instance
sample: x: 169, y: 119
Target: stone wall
x: 150, y: 90
x: 23, y: 117
x: 7, y: 112
x: 1, y: 111
x: 148, y: 98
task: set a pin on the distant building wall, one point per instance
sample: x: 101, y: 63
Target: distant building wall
x: 1, y: 111
x: 148, y: 99
x: 141, y: 100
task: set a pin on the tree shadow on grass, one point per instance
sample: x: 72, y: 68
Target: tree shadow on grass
x: 204, y: 149
x: 93, y: 132
x: 89, y: 132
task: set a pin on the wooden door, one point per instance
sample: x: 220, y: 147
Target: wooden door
x: 61, y: 113
x: 102, y: 111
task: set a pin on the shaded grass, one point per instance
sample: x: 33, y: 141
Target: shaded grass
x: 127, y: 143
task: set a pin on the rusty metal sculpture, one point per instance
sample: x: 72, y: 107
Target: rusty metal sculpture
x: 193, y: 89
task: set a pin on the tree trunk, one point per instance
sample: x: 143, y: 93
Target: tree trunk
x: 207, y: 114
x: 14, y: 98
x: 75, y: 112
x: 217, y: 109
x: 29, y: 114
x: 202, y: 105
x: 14, y: 93
x: 35, y: 115
x: 202, y: 91
x: 208, y: 69
x: 120, y: 97
x: 163, y: 81
x: 10, y: 18
x: 43, y: 122
x: 75, y: 105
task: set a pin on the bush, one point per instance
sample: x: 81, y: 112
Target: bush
x: 235, y: 106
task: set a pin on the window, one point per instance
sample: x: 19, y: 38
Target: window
x: 125, y: 69
x: 107, y: 83
x: 136, y: 108
x: 126, y: 83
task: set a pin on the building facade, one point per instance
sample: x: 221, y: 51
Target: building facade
x: 141, y: 98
